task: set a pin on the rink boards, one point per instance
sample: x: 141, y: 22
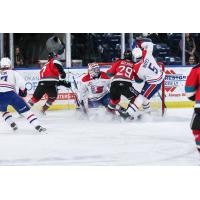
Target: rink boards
x: 174, y: 86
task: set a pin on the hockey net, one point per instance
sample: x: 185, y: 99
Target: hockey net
x: 157, y: 102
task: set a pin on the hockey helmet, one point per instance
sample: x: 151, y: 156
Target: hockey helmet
x: 5, y: 63
x: 94, y: 70
x: 128, y: 55
x: 137, y: 54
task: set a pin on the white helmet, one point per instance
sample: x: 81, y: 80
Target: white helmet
x: 137, y: 54
x: 5, y: 63
x: 94, y: 70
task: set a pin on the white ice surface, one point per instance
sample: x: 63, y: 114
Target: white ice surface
x: 72, y: 141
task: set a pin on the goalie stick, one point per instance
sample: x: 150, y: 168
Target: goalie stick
x: 78, y: 102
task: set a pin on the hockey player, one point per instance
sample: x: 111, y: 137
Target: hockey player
x: 150, y: 72
x: 94, y: 87
x: 122, y: 72
x: 51, y: 75
x: 192, y: 89
x: 10, y: 80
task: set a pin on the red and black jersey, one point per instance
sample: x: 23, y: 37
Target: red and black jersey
x: 192, y: 86
x: 52, y: 70
x: 122, y: 70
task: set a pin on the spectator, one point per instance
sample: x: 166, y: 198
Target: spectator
x: 19, y: 60
x: 192, y: 60
x: 190, y: 46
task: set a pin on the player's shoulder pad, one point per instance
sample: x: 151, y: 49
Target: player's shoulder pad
x: 104, y: 75
x: 55, y: 61
x: 86, y: 78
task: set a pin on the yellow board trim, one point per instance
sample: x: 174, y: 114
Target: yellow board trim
x: 181, y: 104
x: 175, y: 104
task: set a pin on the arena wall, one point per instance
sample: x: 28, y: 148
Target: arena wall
x: 174, y: 86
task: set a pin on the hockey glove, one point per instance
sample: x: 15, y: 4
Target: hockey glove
x: 64, y: 83
x: 23, y: 93
x: 63, y: 75
x: 192, y: 98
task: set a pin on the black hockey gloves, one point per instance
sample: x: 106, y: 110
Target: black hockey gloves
x: 23, y: 93
x: 64, y: 83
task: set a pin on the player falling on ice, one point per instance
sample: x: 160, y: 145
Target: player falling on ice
x: 52, y: 75
x: 150, y: 72
x: 94, y: 88
x: 122, y: 73
x: 10, y: 80
x: 192, y: 89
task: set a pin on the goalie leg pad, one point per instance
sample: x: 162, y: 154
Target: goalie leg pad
x: 105, y: 100
x: 195, y: 122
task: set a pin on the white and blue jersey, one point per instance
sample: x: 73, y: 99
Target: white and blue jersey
x: 94, y: 92
x: 10, y: 82
x: 149, y: 71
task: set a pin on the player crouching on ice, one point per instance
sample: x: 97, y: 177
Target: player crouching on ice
x: 9, y: 81
x: 192, y: 89
x: 51, y: 75
x: 147, y: 69
x: 94, y: 88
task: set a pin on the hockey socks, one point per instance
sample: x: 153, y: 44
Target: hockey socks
x: 132, y: 109
x: 9, y: 120
x: 32, y: 101
x: 146, y: 108
x: 33, y: 121
x: 196, y: 134
x: 112, y: 105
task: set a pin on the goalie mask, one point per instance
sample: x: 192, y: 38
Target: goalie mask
x: 5, y: 63
x: 55, y: 46
x: 137, y: 55
x: 94, y: 70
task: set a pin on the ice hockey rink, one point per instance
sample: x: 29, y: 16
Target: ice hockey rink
x: 99, y: 141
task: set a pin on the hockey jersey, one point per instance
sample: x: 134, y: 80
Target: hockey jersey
x: 94, y: 89
x: 51, y: 70
x: 192, y: 86
x: 147, y: 69
x: 10, y: 80
x: 122, y: 70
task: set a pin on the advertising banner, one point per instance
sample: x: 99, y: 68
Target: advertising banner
x: 174, y: 86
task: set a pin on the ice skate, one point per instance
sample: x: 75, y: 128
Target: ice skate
x: 14, y: 126
x: 40, y: 129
